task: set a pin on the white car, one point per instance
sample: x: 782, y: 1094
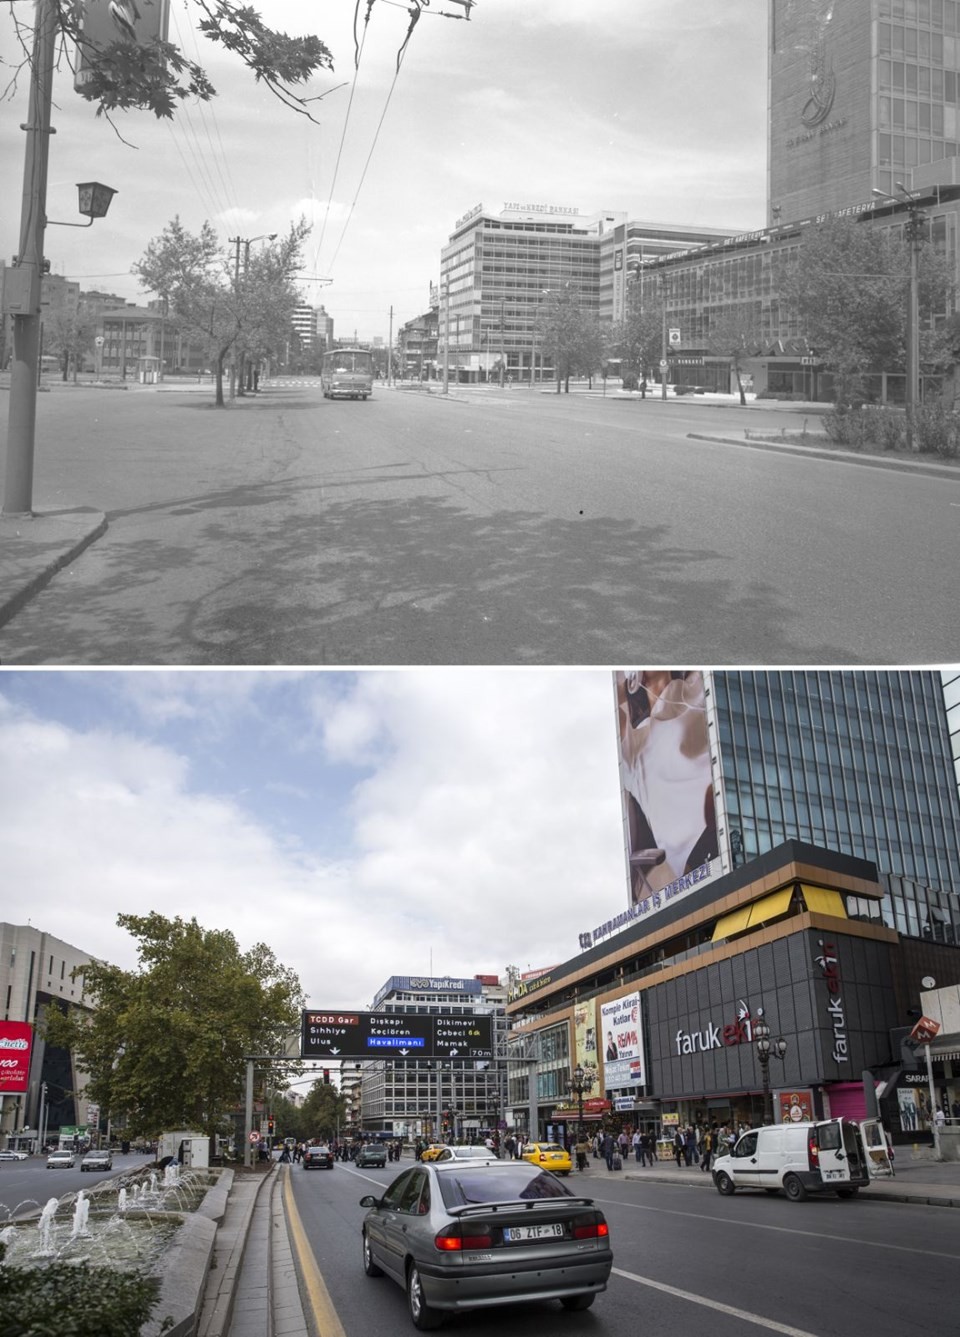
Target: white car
x: 61, y: 1160
x: 13, y: 1155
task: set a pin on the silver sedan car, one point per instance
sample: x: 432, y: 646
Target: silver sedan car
x: 471, y: 1234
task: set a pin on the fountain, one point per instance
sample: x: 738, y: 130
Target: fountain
x: 81, y: 1215
x: 45, y: 1226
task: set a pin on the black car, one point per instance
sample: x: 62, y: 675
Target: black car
x: 464, y: 1234
x: 317, y: 1158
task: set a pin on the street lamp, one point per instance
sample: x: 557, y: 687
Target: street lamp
x: 578, y: 1084
x: 765, y: 1048
x: 914, y: 234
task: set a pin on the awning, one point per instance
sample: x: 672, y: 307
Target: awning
x: 770, y: 907
x: 824, y: 902
x: 735, y: 922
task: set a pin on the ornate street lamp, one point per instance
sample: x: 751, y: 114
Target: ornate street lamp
x: 578, y: 1084
x: 766, y: 1048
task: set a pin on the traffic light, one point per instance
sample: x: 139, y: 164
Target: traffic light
x: 270, y: 1124
x: 326, y: 1076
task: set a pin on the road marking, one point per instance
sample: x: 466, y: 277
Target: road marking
x: 742, y: 1314
x: 782, y: 1230
x: 325, y: 1317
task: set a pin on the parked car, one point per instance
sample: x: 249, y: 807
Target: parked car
x: 13, y: 1155
x: 550, y: 1155
x: 372, y: 1153
x: 317, y: 1158
x: 800, y: 1158
x: 97, y: 1160
x: 61, y: 1160
x: 466, y: 1234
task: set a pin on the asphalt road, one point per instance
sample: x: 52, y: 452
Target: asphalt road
x: 510, y: 528
x: 687, y: 1261
x: 27, y: 1185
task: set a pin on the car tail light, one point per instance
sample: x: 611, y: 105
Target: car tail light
x: 597, y: 1229
x: 454, y: 1240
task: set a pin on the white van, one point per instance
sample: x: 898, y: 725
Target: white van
x: 828, y: 1156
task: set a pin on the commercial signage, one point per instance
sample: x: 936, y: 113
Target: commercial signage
x: 471, y: 213
x: 336, y: 1034
x: 717, y: 1034
x: 795, y: 1106
x: 925, y: 1030
x: 585, y: 1037
x: 829, y: 962
x: 622, y: 1041
x: 427, y: 984
x: 666, y: 778
x: 109, y: 21
x: 15, y: 1040
x: 539, y: 209
x: 655, y: 901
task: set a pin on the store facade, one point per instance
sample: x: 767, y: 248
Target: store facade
x: 784, y: 937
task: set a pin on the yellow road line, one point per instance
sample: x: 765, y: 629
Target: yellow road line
x: 324, y: 1314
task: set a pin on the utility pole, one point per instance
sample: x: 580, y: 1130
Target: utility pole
x: 26, y: 276
x: 390, y: 350
x: 503, y: 356
x: 446, y: 337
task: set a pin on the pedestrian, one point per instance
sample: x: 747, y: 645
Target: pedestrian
x: 609, y: 1148
x: 678, y: 1146
x: 582, y: 1150
x: 636, y: 1139
x: 689, y: 1145
x: 510, y: 1146
x: 623, y: 1142
x: 706, y: 1149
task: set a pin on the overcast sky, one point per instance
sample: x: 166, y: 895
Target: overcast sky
x: 647, y: 106
x: 361, y: 824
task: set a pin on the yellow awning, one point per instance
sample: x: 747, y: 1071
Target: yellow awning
x: 824, y: 902
x: 735, y: 922
x: 770, y: 907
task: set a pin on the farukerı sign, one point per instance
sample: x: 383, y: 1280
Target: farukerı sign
x: 717, y: 1034
x: 829, y: 962
x: 15, y: 1040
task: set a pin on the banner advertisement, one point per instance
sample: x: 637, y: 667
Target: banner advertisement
x: 622, y: 1034
x: 585, y: 1037
x: 666, y: 778
x: 15, y: 1040
x: 795, y: 1106
x: 109, y: 21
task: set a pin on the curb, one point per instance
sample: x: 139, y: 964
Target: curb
x: 872, y: 1193
x: 842, y: 456
x: 217, y: 1298
x: 66, y: 536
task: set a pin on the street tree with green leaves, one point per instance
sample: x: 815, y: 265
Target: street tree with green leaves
x: 568, y: 334
x: 848, y: 284
x: 240, y: 304
x: 636, y: 339
x: 164, y: 1045
x: 69, y: 334
x: 733, y: 332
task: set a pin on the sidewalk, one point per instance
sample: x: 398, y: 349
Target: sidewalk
x: 919, y: 1181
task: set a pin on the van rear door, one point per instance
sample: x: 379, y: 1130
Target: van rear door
x: 879, y: 1164
x: 833, y: 1158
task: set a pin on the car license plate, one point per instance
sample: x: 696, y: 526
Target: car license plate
x: 515, y: 1233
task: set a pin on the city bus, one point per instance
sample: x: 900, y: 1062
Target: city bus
x: 347, y: 373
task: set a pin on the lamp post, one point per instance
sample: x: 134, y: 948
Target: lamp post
x: 766, y: 1048
x: 914, y: 234
x: 578, y: 1084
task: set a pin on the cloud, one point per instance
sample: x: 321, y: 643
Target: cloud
x: 480, y: 827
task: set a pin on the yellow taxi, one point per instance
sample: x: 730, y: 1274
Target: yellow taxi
x: 550, y: 1155
x: 432, y: 1152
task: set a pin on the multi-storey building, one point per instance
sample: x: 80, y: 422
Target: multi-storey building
x: 429, y: 1098
x: 304, y: 322
x: 498, y: 269
x: 784, y: 832
x: 36, y: 973
x: 324, y: 328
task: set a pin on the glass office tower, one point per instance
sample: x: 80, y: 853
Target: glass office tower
x: 855, y: 761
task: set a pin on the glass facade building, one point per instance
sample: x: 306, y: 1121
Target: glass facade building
x: 863, y: 762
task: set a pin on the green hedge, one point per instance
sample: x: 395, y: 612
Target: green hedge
x: 74, y: 1300
x: 936, y: 430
